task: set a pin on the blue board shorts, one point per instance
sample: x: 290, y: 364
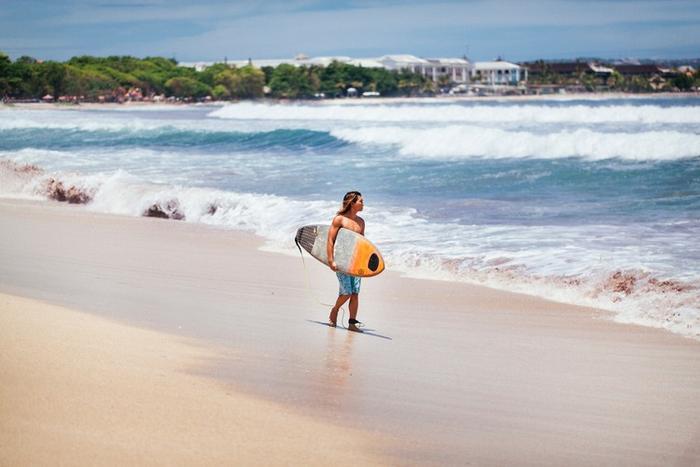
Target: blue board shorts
x: 349, y: 285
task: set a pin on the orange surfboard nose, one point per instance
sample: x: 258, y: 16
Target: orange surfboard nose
x: 367, y: 261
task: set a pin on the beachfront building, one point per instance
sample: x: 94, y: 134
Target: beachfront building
x: 403, y: 62
x: 567, y: 69
x: 456, y: 70
x: 498, y: 72
x: 647, y: 70
x: 299, y: 60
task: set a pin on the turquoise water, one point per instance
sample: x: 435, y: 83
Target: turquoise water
x: 569, y: 199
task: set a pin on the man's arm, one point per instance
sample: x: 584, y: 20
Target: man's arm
x: 330, y: 244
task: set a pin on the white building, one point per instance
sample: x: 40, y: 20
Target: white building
x: 457, y: 70
x: 498, y: 72
x: 403, y: 62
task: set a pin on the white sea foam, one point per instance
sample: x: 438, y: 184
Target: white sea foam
x: 462, y: 113
x: 109, y: 121
x: 455, y: 142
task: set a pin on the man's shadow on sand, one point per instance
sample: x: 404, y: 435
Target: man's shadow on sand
x: 365, y: 331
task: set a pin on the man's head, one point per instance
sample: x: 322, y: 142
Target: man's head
x: 352, y: 202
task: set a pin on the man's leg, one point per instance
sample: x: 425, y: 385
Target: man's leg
x: 354, y: 304
x: 333, y: 317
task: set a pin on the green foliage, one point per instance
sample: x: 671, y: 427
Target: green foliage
x: 219, y: 92
x: 94, y: 78
x: 683, y: 82
x: 208, y: 75
x: 54, y: 75
x: 250, y: 83
x: 268, y: 70
x: 5, y: 64
x: 241, y: 83
x: 615, y: 80
x: 186, y: 87
x: 636, y: 84
x: 225, y: 78
x: 412, y: 83
x: 293, y: 82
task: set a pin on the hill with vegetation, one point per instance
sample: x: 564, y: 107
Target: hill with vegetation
x: 116, y: 78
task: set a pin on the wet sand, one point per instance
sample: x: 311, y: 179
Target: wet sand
x: 450, y: 373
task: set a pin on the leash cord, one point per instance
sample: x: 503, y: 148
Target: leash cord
x: 308, y: 287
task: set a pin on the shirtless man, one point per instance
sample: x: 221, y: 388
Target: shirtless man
x: 346, y: 218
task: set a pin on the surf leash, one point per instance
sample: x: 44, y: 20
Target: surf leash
x: 314, y: 296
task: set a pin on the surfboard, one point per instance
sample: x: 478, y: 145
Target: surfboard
x: 353, y: 253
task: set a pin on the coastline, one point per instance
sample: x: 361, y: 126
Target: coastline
x: 359, y: 101
x: 469, y: 374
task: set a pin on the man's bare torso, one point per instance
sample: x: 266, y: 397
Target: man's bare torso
x: 356, y: 225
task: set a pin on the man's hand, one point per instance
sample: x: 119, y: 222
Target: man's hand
x: 333, y: 266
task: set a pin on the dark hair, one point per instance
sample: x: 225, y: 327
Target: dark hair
x: 349, y: 198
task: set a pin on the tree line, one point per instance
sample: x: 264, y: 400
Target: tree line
x: 112, y: 78
x: 542, y: 74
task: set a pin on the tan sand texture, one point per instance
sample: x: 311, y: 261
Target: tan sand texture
x: 81, y: 390
x: 470, y: 376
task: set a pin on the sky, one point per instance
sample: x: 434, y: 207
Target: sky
x: 212, y: 30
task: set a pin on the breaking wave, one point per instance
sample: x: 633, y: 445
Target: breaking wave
x: 441, y: 143
x: 167, y: 137
x: 469, y: 141
x: 452, y: 113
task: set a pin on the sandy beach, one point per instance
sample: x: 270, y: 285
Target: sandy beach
x: 130, y: 340
x: 83, y: 390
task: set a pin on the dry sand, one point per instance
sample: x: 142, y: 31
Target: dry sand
x: 452, y: 373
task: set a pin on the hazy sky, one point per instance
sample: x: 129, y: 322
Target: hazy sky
x: 192, y: 30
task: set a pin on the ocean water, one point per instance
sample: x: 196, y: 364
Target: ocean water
x: 585, y: 201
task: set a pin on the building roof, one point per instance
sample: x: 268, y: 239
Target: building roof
x: 496, y: 65
x: 366, y: 62
x: 449, y: 61
x: 411, y: 59
x: 601, y: 68
x: 626, y: 69
x: 380, y: 62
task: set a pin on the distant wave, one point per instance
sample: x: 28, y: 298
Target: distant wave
x: 164, y: 137
x: 451, y: 142
x: 457, y: 142
x: 480, y: 113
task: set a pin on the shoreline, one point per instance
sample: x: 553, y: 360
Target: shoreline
x: 468, y: 374
x: 359, y: 101
x: 618, y: 294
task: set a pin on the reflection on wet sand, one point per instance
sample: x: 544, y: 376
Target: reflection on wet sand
x: 337, y: 368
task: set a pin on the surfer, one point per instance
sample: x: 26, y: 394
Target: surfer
x: 346, y: 218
